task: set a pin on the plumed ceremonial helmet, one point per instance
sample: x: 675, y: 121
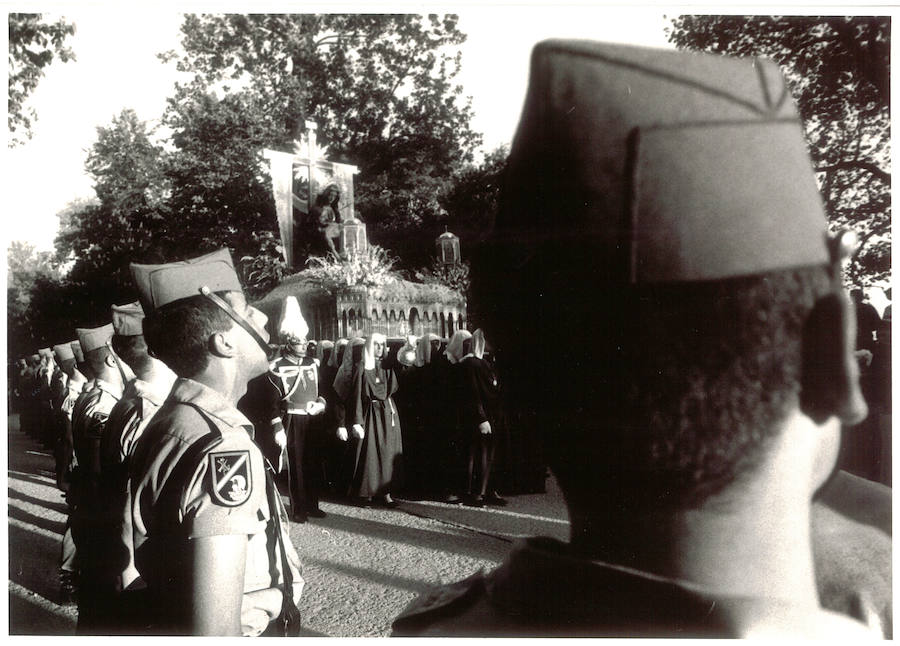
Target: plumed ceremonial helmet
x: 292, y: 325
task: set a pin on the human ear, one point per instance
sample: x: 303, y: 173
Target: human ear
x: 222, y: 344
x: 830, y: 379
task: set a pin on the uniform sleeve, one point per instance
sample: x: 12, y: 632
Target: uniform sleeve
x: 227, y: 494
x: 272, y: 398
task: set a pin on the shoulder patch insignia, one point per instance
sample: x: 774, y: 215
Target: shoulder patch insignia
x: 230, y: 474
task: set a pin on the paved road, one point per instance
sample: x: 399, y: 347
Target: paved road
x: 361, y: 566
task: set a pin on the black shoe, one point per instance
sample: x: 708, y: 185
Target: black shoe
x: 389, y: 502
x: 298, y: 517
x: 451, y: 499
x: 316, y: 513
x: 474, y: 501
x: 495, y: 500
x: 68, y: 590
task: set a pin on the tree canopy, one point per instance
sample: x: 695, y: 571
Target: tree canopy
x: 380, y: 87
x: 382, y: 90
x: 838, y: 69
x: 33, y: 44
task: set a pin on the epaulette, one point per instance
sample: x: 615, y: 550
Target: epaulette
x: 440, y: 602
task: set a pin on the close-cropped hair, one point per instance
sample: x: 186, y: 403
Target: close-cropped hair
x: 132, y: 349
x: 661, y: 395
x: 96, y: 358
x: 178, y: 333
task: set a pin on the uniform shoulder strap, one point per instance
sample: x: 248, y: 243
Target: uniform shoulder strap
x: 191, y: 459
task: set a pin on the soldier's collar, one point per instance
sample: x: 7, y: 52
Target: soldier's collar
x: 107, y: 387
x: 153, y: 391
x: 188, y: 391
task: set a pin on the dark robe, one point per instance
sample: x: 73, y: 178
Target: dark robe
x: 379, y: 454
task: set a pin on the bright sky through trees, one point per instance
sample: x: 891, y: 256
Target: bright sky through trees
x: 117, y: 68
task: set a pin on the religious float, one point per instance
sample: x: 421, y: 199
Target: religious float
x: 342, y: 293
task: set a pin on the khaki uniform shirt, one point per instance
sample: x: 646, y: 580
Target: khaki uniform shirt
x: 544, y: 590
x: 177, y: 495
x: 89, y: 415
x: 127, y: 421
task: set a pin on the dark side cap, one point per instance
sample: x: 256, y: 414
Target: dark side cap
x: 669, y: 166
x: 160, y: 285
x: 128, y: 320
x: 77, y: 349
x: 92, y: 338
x: 63, y: 352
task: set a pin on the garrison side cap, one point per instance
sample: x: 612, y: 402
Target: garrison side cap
x: 128, y: 320
x: 667, y: 165
x: 93, y: 338
x: 76, y: 348
x: 160, y: 285
x: 63, y: 352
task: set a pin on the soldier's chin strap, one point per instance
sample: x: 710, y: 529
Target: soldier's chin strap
x: 240, y: 320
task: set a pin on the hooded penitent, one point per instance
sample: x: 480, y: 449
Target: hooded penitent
x: 344, y: 377
x: 423, y: 349
x: 454, y: 349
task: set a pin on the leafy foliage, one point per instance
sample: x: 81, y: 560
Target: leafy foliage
x: 380, y: 87
x: 127, y: 221
x: 264, y: 270
x: 839, y: 73
x: 33, y: 44
x: 221, y: 193
x: 382, y: 90
x: 25, y: 268
x: 453, y: 276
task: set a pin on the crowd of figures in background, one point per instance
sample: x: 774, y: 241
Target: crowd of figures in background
x: 424, y: 418
x: 356, y: 420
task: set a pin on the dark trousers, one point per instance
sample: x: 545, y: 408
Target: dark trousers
x: 481, y: 459
x: 304, y: 456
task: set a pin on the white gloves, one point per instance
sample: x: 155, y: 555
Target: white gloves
x: 342, y: 433
x: 315, y: 408
x: 358, y: 431
x: 281, y: 438
x: 485, y: 428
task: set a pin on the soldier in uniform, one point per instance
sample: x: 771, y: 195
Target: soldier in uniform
x: 207, y: 522
x: 46, y: 414
x: 297, y: 415
x: 28, y: 415
x: 80, y: 363
x: 89, y: 416
x: 141, y: 398
x: 661, y: 212
x: 66, y: 386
